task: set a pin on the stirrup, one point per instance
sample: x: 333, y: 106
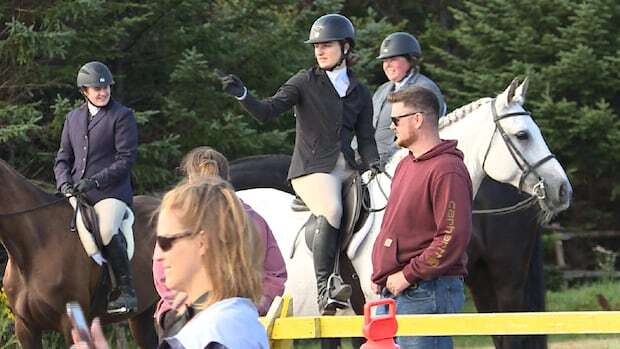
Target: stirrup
x: 130, y: 305
x: 335, y: 282
x: 332, y: 306
x: 121, y: 310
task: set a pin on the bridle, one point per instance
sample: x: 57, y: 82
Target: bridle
x: 522, y: 163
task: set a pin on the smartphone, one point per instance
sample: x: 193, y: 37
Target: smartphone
x: 79, y: 323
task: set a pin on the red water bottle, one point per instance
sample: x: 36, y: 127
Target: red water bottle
x: 380, y: 329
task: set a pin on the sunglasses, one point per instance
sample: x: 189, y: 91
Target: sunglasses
x: 166, y: 242
x: 396, y: 119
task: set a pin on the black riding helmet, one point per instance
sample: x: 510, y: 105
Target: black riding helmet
x: 94, y: 74
x: 333, y: 27
x: 400, y: 44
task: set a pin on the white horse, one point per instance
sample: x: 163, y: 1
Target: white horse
x: 498, y: 138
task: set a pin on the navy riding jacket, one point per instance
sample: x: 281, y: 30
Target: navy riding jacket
x: 103, y: 149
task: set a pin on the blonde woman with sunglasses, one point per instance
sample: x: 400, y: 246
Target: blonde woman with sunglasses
x: 211, y: 252
x: 202, y: 162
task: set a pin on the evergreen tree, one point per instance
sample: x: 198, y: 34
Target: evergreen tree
x: 570, y: 52
x: 163, y: 55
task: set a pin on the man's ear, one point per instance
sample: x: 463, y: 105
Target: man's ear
x: 420, y: 121
x: 347, y: 47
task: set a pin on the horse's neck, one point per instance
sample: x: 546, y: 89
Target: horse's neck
x: 473, y: 133
x: 18, y: 233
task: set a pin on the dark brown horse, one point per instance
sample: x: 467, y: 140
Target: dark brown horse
x: 505, y: 260
x: 505, y: 264
x: 48, y: 266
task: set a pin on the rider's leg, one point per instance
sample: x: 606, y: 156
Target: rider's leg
x: 322, y: 194
x: 110, y: 213
x: 334, y: 294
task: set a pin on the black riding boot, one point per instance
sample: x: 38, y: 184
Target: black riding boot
x: 332, y: 292
x: 116, y: 254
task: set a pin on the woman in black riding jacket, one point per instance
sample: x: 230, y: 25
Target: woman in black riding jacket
x: 331, y: 107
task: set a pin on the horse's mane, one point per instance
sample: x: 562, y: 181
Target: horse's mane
x: 462, y: 112
x: 5, y: 167
x: 444, y: 121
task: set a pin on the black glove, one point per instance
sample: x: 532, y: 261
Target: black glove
x: 85, y: 185
x: 377, y: 167
x: 232, y: 85
x: 66, y: 188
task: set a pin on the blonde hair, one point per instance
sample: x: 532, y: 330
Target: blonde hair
x: 205, y: 161
x: 234, y: 258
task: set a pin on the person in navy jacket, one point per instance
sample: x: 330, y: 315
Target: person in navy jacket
x: 98, y: 148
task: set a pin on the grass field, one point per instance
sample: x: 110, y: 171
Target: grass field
x: 582, y: 298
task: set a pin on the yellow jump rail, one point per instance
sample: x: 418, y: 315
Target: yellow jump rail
x: 281, y: 327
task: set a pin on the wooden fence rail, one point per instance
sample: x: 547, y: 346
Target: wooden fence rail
x: 282, y: 328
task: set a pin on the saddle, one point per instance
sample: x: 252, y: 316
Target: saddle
x: 355, y: 201
x: 86, y: 225
x: 82, y: 209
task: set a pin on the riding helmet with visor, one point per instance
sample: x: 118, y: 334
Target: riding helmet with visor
x: 332, y: 27
x: 400, y: 44
x: 94, y: 74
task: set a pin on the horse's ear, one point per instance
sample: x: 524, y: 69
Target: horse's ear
x: 522, y: 91
x: 510, y: 92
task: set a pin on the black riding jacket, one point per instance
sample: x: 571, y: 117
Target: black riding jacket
x: 325, y: 122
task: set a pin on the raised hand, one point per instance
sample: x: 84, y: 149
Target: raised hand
x: 232, y: 85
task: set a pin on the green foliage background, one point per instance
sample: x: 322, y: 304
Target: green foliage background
x: 163, y: 52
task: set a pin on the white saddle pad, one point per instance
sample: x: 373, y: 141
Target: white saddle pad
x: 87, y: 239
x: 359, y: 236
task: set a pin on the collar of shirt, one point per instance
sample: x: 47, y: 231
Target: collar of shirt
x: 402, y: 82
x: 93, y: 109
x: 174, y: 320
x: 340, y: 80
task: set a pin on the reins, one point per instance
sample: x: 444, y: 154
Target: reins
x: 521, y: 205
x: 373, y: 176
x: 32, y: 209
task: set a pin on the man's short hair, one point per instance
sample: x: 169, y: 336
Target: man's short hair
x: 419, y: 98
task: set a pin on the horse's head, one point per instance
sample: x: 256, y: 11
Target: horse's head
x: 518, y: 154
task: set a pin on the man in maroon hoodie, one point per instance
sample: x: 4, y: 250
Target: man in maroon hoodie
x: 419, y: 257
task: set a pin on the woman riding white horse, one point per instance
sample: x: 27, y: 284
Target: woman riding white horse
x: 482, y: 129
x: 331, y: 106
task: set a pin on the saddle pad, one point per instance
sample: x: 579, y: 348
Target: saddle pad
x: 360, y: 236
x: 87, y: 238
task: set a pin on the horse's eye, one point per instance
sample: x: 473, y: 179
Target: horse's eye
x: 522, y: 135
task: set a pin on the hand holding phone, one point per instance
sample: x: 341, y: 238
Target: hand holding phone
x: 79, y: 323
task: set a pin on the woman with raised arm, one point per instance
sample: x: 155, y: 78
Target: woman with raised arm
x: 331, y: 106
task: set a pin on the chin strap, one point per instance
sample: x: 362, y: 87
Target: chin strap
x: 343, y: 56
